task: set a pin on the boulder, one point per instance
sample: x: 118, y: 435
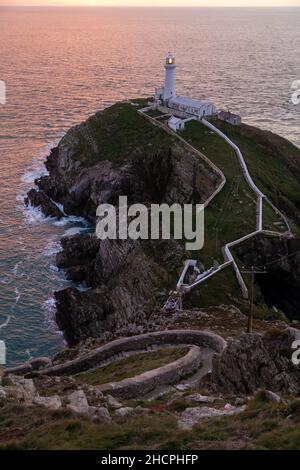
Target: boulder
x: 99, y: 413
x: 78, y: 402
x: 271, y: 396
x: 129, y: 411
x: 257, y: 361
x: 22, y: 389
x: 197, y: 397
x: 41, y: 200
x: 124, y: 411
x: 52, y: 403
x: 2, y: 393
x: 113, y: 403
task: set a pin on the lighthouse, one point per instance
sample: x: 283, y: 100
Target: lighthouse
x: 170, y: 80
x: 179, y: 106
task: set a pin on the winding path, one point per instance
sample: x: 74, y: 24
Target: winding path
x: 183, y: 288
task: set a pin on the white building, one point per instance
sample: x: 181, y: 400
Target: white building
x: 176, y: 124
x: 167, y: 95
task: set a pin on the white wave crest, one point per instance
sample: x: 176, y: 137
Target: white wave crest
x: 52, y: 248
x: 3, y: 325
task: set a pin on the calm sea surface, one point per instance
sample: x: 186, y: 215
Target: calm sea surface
x: 61, y: 65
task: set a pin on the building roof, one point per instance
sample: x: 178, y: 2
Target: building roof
x: 182, y: 100
x: 174, y: 120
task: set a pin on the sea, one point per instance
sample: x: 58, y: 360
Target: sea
x: 60, y: 65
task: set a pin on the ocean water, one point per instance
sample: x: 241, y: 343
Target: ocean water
x: 61, y: 65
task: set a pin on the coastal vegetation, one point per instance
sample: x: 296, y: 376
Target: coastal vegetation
x: 263, y: 425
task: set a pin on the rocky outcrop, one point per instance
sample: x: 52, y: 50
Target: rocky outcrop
x: 117, y: 153
x: 192, y: 416
x: 280, y: 283
x: 47, y: 206
x: 255, y: 361
x: 128, y: 280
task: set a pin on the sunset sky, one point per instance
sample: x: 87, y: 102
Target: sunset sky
x: 181, y: 3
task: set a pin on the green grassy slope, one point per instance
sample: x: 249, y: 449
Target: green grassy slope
x: 232, y: 214
x: 117, y: 133
x: 274, y: 164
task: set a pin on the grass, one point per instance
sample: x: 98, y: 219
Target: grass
x: 273, y: 163
x: 263, y: 425
x: 131, y: 366
x: 116, y: 134
x: 232, y: 213
x: 120, y: 134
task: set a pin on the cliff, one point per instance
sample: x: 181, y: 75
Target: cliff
x: 118, y: 152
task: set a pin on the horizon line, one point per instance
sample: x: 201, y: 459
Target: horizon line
x: 151, y: 6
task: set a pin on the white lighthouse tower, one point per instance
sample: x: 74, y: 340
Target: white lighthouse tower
x: 170, y: 80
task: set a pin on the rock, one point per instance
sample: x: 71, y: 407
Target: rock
x: 129, y: 411
x: 257, y: 361
x: 239, y: 401
x: 201, y: 398
x: 192, y: 416
x: 228, y: 406
x: 182, y: 387
x: 123, y: 288
x: 124, y: 411
x: 271, y: 396
x: 280, y: 286
x: 78, y: 402
x: 52, y: 403
x: 2, y: 393
x: 140, y: 410
x: 99, y: 414
x: 113, y: 403
x: 39, y: 362
x: 21, y: 388
x: 41, y: 200
x: 126, y: 277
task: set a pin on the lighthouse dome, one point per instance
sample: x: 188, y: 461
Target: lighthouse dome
x: 170, y: 59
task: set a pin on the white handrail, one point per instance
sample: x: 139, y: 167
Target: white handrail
x: 229, y: 259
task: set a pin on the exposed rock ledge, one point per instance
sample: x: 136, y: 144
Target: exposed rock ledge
x: 256, y: 361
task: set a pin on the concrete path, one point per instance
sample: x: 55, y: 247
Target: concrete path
x: 183, y: 288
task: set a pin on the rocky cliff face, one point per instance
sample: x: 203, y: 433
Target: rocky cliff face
x: 258, y: 361
x: 280, y: 259
x: 128, y: 280
x: 117, y: 153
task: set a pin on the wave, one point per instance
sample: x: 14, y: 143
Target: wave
x: 16, y: 267
x: 3, y: 325
x: 52, y: 248
x: 49, y: 309
x: 74, y: 231
x: 36, y: 170
x: 18, y: 295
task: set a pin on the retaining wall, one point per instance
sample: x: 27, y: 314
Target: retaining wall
x: 204, y: 339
